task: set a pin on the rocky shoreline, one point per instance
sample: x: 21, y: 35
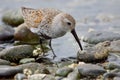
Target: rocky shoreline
x: 21, y: 57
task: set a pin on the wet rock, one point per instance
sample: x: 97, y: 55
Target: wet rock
x: 6, y: 33
x: 4, y: 62
x: 52, y: 69
x: 115, y: 46
x: 58, y: 78
x: 90, y: 70
x: 12, y: 17
x: 7, y: 71
x: 63, y: 64
x: 116, y: 78
x: 34, y: 68
x: 49, y: 77
x: 113, y: 65
x: 113, y: 61
x: 111, y: 75
x: 96, y: 53
x: 24, y: 35
x: 74, y: 75
x: 20, y: 76
x: 37, y: 77
x: 15, y: 53
x: 1, y: 48
x: 113, y: 57
x: 100, y: 36
x: 41, y: 77
x: 27, y: 60
x: 73, y: 65
x: 65, y: 79
x: 63, y: 71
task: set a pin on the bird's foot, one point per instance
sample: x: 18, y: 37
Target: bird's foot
x: 54, y: 56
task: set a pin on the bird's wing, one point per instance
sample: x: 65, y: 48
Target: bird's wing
x: 39, y: 20
x: 32, y: 17
x: 44, y: 28
x: 48, y: 16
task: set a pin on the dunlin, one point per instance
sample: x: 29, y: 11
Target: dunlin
x: 49, y: 23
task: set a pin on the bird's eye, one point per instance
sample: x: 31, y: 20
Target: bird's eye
x: 68, y: 23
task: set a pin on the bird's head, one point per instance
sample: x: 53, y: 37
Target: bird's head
x: 68, y: 23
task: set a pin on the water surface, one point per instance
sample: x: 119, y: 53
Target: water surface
x: 89, y: 14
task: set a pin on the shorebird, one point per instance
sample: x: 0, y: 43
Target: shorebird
x: 49, y: 23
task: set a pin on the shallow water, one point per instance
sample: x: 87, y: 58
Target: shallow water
x: 89, y: 14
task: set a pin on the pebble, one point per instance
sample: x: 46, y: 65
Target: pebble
x: 41, y: 77
x: 90, y: 70
x: 49, y: 77
x: 20, y: 76
x: 113, y: 61
x: 74, y: 75
x: 6, y: 34
x: 115, y: 46
x: 95, y: 37
x: 34, y: 68
x: 63, y: 64
x: 7, y: 71
x: 37, y: 77
x: 116, y: 78
x: 63, y: 72
x: 15, y: 53
x: 113, y: 65
x: 111, y: 74
x: 94, y: 54
x: 27, y: 60
x: 12, y: 17
x: 4, y: 62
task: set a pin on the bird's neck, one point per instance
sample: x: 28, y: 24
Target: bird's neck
x: 58, y: 30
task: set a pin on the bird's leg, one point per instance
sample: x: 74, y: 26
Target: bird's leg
x: 52, y: 48
x: 41, y: 45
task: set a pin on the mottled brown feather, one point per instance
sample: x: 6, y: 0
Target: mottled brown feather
x: 32, y: 17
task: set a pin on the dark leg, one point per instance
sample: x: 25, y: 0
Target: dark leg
x: 41, y: 45
x: 52, y: 48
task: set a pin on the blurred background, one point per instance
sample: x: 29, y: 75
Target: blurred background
x: 90, y: 15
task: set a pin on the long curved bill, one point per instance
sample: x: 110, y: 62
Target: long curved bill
x: 77, y: 39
